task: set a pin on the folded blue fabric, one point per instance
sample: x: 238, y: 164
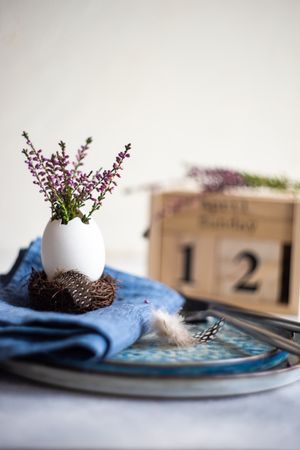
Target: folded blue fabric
x: 86, y: 337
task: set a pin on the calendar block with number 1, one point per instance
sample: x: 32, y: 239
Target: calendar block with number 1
x: 238, y: 249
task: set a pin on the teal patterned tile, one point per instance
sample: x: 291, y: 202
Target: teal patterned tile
x: 230, y: 343
x: 232, y: 351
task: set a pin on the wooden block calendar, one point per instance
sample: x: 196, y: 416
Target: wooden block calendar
x: 239, y: 249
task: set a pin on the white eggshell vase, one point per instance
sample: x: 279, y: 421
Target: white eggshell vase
x: 74, y: 246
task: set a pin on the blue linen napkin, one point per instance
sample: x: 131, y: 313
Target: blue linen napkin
x: 87, y: 337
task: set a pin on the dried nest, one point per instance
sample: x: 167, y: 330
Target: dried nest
x: 70, y: 292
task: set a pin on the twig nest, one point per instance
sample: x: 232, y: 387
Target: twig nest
x: 70, y: 292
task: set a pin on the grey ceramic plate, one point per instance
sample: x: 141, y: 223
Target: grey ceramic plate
x: 172, y: 387
x: 232, y: 364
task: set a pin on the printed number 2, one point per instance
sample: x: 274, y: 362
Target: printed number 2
x: 244, y: 283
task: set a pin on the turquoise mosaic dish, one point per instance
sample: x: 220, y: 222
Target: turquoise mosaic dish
x: 231, y: 352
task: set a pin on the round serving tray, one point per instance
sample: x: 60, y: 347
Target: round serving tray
x: 167, y: 387
x: 233, y: 364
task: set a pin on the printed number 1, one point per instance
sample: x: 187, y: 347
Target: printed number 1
x: 188, y: 253
x: 244, y: 283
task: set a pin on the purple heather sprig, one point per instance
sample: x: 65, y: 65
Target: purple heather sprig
x: 81, y: 154
x: 218, y: 180
x: 65, y: 186
x: 215, y: 179
x: 104, y: 182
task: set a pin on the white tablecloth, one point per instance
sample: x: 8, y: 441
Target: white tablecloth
x: 35, y: 416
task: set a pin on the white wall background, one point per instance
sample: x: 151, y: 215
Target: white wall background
x: 214, y: 82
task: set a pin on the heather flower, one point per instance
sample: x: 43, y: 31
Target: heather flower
x: 65, y: 186
x: 218, y: 180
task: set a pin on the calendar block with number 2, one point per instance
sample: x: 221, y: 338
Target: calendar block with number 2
x: 238, y: 249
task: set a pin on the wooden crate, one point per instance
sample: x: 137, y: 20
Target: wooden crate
x: 238, y: 249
